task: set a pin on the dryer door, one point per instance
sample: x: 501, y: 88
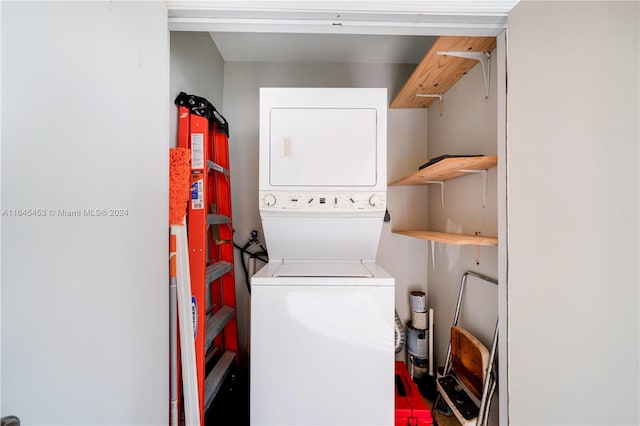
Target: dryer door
x: 311, y: 147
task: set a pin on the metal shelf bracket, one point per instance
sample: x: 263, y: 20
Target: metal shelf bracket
x: 434, y: 95
x: 483, y: 174
x: 441, y: 183
x: 482, y: 57
x: 433, y: 254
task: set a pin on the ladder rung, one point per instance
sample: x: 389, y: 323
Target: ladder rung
x: 211, y: 354
x: 215, y: 378
x: 216, y: 323
x: 217, y: 167
x: 217, y: 219
x: 217, y: 270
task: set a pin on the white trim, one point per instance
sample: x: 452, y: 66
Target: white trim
x: 503, y: 354
x: 482, y: 18
x: 454, y: 7
x: 332, y: 27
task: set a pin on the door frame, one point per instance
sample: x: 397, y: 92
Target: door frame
x: 435, y: 18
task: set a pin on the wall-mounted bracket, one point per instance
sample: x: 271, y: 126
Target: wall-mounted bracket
x: 441, y: 183
x: 482, y: 57
x: 434, y: 95
x: 433, y: 254
x: 483, y: 174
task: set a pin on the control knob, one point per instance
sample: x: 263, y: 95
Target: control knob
x: 269, y: 200
x: 374, y: 200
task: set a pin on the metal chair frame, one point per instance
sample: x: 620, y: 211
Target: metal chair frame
x: 490, y: 381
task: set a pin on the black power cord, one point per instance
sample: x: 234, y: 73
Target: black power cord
x: 261, y: 255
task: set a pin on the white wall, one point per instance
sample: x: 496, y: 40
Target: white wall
x: 1, y: 412
x: 85, y: 126
x: 197, y: 68
x: 402, y: 257
x: 467, y: 127
x: 84, y: 305
x: 573, y: 212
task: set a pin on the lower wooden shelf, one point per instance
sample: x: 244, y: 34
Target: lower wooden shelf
x: 450, y: 238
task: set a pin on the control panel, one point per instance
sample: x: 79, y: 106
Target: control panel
x: 322, y: 202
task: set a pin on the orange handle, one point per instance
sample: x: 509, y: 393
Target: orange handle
x: 172, y: 256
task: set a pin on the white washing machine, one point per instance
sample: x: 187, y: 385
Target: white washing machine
x: 322, y: 311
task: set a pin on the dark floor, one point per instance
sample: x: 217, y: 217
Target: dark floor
x: 231, y: 406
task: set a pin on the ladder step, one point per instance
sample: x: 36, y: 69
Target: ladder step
x: 215, y: 378
x: 457, y: 398
x: 211, y: 354
x: 217, y: 167
x: 216, y: 323
x: 217, y: 270
x: 217, y: 219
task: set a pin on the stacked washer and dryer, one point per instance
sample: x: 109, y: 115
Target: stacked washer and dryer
x: 322, y: 310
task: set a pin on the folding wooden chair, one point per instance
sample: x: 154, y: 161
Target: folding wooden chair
x: 469, y: 380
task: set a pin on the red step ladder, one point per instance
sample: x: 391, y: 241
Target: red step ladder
x: 203, y: 130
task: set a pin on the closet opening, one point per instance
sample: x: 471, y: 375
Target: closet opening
x: 225, y: 59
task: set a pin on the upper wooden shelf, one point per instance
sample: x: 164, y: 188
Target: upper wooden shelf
x: 436, y: 74
x: 450, y: 238
x: 446, y: 169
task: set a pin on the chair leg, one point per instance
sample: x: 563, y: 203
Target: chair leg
x: 485, y: 416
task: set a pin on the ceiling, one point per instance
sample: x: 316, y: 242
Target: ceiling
x: 321, y: 48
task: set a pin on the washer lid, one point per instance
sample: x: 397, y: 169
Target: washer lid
x: 322, y: 269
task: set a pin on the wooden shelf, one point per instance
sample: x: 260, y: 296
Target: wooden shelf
x: 443, y: 170
x: 450, y: 238
x: 436, y: 74
x: 446, y: 169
